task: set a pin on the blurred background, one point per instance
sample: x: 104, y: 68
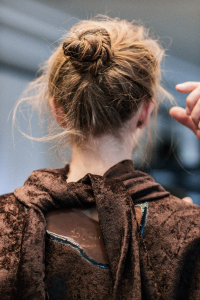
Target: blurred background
x: 29, y: 32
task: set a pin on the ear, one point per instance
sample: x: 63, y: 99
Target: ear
x: 145, y: 113
x: 58, y: 113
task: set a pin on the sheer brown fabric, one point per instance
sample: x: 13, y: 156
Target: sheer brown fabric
x: 83, y: 230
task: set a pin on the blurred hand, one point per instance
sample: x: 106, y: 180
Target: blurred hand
x: 188, y: 199
x: 190, y: 116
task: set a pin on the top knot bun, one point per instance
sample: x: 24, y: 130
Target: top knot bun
x: 89, y: 49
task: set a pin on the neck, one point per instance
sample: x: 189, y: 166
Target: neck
x: 97, y: 156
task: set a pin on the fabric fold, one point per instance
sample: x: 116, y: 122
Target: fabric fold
x: 123, y: 241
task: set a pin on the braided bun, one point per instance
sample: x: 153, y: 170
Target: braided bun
x: 89, y: 49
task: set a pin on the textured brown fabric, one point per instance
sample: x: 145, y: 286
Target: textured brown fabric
x: 12, y: 225
x: 163, y: 265
x: 71, y: 276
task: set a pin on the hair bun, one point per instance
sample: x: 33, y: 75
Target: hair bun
x: 89, y: 48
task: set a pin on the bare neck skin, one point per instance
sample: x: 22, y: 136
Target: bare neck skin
x: 99, y: 154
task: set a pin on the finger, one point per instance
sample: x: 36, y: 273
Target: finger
x: 179, y: 114
x: 188, y: 200
x: 187, y: 87
x: 192, y: 99
x: 195, y: 115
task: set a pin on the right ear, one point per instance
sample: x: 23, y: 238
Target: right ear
x: 58, y: 113
x: 144, y: 116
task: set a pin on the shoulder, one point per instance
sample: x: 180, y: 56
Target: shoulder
x: 7, y: 199
x: 9, y: 205
x: 11, y: 220
x: 11, y: 223
x: 172, y: 220
x: 174, y: 209
x: 11, y: 216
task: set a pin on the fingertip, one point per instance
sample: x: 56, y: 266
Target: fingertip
x: 173, y: 110
x: 187, y: 87
x: 188, y: 200
x: 180, y: 86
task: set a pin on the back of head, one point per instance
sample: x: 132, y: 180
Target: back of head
x: 100, y: 74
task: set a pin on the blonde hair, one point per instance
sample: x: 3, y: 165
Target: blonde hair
x: 99, y: 75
